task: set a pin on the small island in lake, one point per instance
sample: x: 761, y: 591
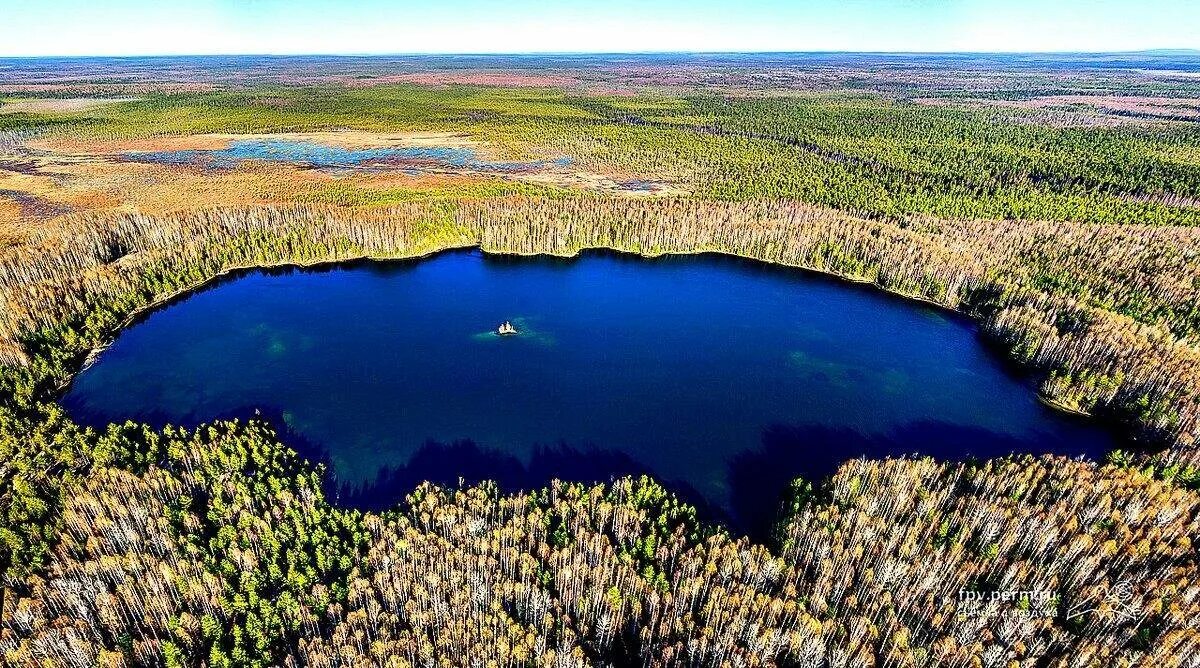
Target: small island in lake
x: 506, y: 328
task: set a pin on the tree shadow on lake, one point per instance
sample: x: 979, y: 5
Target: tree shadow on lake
x: 467, y: 463
x: 759, y: 478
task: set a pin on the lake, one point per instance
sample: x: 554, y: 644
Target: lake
x: 723, y: 378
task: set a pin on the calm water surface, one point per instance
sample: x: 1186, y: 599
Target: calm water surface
x: 722, y: 377
x: 315, y: 154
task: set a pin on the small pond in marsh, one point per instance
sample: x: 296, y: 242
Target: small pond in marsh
x: 325, y: 156
x: 724, y: 378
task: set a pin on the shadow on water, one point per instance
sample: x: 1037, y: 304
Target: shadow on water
x: 466, y: 463
x: 759, y: 478
x: 454, y: 464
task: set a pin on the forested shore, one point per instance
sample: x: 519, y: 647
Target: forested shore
x: 576, y: 575
x: 1106, y: 316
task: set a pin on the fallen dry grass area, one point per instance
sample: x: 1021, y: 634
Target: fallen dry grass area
x: 10, y: 215
x: 96, y: 185
x: 481, y: 78
x: 1089, y: 110
x: 62, y: 105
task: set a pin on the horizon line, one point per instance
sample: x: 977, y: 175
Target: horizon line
x: 385, y: 54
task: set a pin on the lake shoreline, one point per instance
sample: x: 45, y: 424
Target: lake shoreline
x: 233, y: 271
x: 880, y: 375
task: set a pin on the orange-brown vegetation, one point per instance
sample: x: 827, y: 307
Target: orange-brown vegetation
x: 1112, y: 107
x: 88, y: 174
x: 57, y: 105
x: 478, y: 78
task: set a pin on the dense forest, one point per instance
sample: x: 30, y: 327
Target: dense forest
x: 218, y: 548
x: 1067, y: 230
x: 82, y: 290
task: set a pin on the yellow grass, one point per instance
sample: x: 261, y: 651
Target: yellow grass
x: 88, y: 175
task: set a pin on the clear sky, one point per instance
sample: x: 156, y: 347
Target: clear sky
x: 142, y: 27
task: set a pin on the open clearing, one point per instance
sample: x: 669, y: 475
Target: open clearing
x: 64, y: 105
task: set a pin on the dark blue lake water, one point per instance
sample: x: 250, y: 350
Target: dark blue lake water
x: 722, y: 377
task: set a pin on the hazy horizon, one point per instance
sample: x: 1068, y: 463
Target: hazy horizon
x: 146, y: 28
x: 1156, y: 50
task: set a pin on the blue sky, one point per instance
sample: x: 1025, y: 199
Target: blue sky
x: 140, y: 27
